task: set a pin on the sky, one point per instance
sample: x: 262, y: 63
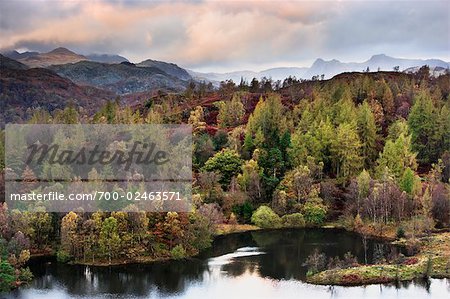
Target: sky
x: 230, y: 35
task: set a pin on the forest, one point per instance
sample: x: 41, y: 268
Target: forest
x: 369, y: 152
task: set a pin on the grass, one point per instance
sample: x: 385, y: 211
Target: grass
x: 433, y: 260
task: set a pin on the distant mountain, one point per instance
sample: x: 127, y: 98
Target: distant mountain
x: 8, y: 63
x: 21, y: 89
x: 56, y: 56
x: 377, y: 62
x: 328, y: 68
x: 16, y: 55
x: 169, y: 68
x: 106, y: 58
x: 124, y: 78
x: 279, y: 73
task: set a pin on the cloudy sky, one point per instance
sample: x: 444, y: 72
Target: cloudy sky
x: 230, y: 35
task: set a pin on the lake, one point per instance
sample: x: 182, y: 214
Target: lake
x: 259, y: 264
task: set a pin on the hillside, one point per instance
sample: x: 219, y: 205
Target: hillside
x: 169, y: 68
x: 56, y: 56
x: 22, y: 89
x: 106, y: 58
x: 7, y: 63
x: 123, y: 78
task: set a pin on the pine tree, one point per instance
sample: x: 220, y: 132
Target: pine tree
x: 346, y: 151
x: 422, y: 124
x: 367, y: 131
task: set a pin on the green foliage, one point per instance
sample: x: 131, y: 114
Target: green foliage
x: 63, y: 256
x: 250, y: 180
x: 346, y: 150
x: 270, y: 118
x: 227, y: 163
x: 314, y: 211
x: 293, y: 220
x: 178, y: 252
x: 7, y: 276
x: 426, y: 136
x: 396, y: 156
x: 109, y: 240
x: 367, y: 131
x: 408, y: 181
x: 231, y: 112
x: 25, y: 275
x: 264, y: 217
x: 244, y: 211
x: 400, y: 232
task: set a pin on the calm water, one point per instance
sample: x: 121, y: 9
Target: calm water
x: 267, y: 264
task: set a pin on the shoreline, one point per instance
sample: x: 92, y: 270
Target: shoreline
x: 432, y: 261
x: 221, y: 230
x: 432, y: 248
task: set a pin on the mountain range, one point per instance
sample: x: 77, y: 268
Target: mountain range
x: 22, y: 88
x: 52, y: 79
x: 328, y: 68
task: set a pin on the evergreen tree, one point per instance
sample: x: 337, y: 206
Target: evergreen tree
x: 346, y: 151
x: 367, y: 131
x: 422, y: 123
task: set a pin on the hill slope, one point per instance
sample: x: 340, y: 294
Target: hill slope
x: 21, y: 89
x: 123, y: 78
x: 56, y: 56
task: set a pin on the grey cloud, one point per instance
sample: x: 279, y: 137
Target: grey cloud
x: 236, y: 34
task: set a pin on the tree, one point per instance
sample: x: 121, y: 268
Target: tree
x: 345, y: 108
x: 314, y: 211
x: 227, y: 163
x: 408, y: 181
x: 293, y: 220
x: 69, y: 237
x: 231, y: 112
x: 109, y: 239
x: 364, y: 181
x: 264, y: 217
x: 41, y: 223
x: 210, y: 188
x: 422, y: 124
x: 345, y: 151
x: 270, y: 118
x: 196, y: 119
x: 397, y: 156
x: 250, y: 180
x: 387, y: 101
x: 367, y: 132
x: 203, y: 149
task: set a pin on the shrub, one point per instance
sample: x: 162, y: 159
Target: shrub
x: 7, y: 276
x: 315, y: 262
x: 178, y: 252
x: 349, y: 260
x: 244, y: 211
x: 63, y: 256
x: 264, y: 217
x: 400, y: 232
x: 314, y: 213
x: 25, y: 275
x: 293, y: 220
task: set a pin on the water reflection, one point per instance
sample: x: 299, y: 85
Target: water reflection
x: 261, y: 264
